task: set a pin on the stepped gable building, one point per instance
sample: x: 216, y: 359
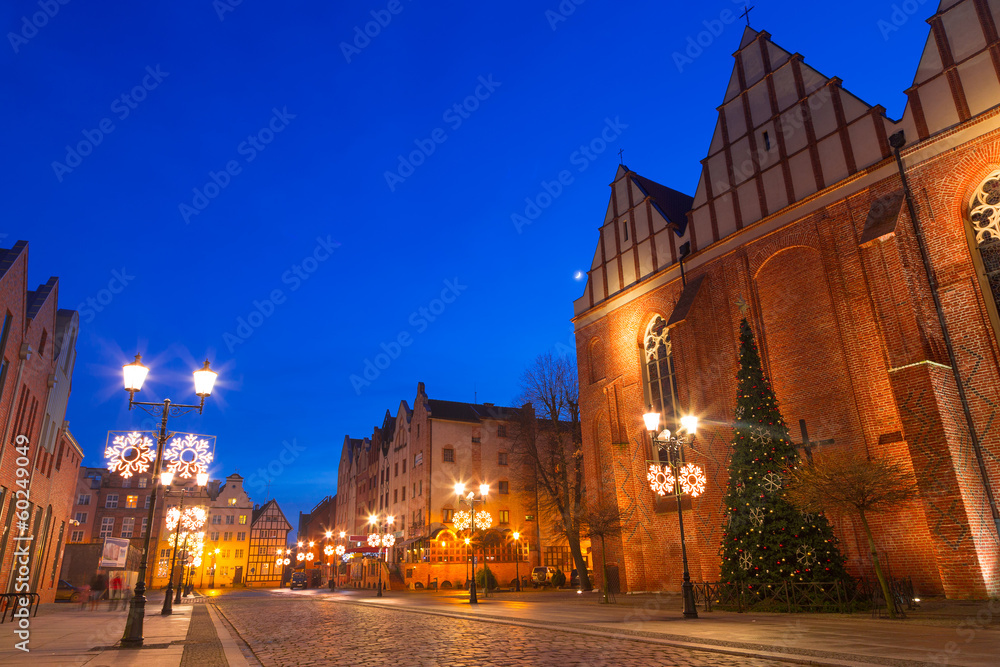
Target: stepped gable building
x: 37, y: 355
x: 874, y: 306
x: 408, y: 470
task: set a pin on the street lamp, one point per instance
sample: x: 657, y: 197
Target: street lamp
x: 517, y: 559
x: 134, y: 375
x: 382, y: 541
x: 676, y: 478
x: 471, y: 500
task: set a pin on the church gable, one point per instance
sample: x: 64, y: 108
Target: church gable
x: 784, y: 132
x: 956, y: 78
x: 644, y: 226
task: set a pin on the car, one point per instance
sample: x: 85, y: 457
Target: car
x: 68, y: 592
x: 542, y: 575
x: 299, y: 580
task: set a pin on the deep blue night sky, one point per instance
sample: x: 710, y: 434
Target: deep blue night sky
x: 217, y: 90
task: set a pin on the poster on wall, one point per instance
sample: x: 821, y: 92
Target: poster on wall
x: 115, y: 552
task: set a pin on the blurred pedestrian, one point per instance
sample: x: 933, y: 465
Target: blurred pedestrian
x: 84, y: 596
x: 116, y: 593
x: 98, y: 585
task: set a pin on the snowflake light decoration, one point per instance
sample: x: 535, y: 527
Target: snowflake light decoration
x: 661, y: 479
x: 130, y: 454
x: 188, y: 455
x: 388, y: 540
x: 374, y: 540
x: 279, y: 562
x: 805, y: 556
x: 462, y: 520
x: 288, y: 561
x: 328, y: 550
x: 741, y: 488
x: 340, y: 550
x: 757, y: 516
x: 300, y: 556
x: 739, y: 412
x: 693, y: 480
x: 745, y: 561
x: 771, y: 482
x: 483, y: 520
x: 309, y: 556
x: 759, y: 434
x: 193, y: 519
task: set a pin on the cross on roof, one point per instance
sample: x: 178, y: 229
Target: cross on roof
x: 621, y: 160
x: 808, y: 445
x: 746, y: 13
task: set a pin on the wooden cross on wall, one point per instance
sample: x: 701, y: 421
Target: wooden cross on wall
x: 808, y: 445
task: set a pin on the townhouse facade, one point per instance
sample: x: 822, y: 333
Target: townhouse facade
x: 39, y: 457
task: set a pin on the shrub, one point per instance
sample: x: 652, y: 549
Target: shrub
x: 485, y: 576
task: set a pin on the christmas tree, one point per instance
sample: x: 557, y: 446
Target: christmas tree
x: 765, y: 539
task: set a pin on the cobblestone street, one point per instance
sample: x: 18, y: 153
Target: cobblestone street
x: 292, y: 630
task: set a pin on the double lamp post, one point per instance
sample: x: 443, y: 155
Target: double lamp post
x: 135, y: 375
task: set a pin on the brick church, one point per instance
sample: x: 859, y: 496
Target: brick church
x: 865, y: 253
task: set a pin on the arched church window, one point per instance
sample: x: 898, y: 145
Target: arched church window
x: 984, y: 214
x: 661, y: 383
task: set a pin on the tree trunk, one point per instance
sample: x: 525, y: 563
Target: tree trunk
x: 890, y: 603
x: 573, y: 537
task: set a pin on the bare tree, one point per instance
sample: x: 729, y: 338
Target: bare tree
x: 548, y: 444
x: 602, y: 520
x: 846, y: 480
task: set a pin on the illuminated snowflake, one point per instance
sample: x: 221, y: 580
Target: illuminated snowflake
x: 693, y: 480
x: 388, y: 540
x: 745, y: 561
x: 805, y: 556
x: 374, y: 540
x: 188, y: 455
x: 757, y: 516
x: 462, y: 520
x: 759, y: 434
x: 771, y: 482
x: 661, y: 479
x: 328, y: 550
x: 130, y: 454
x: 193, y: 519
x: 300, y: 556
x: 309, y: 556
x: 340, y: 550
x: 483, y: 520
x: 288, y: 561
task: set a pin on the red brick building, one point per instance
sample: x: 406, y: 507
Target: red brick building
x: 868, y: 303
x: 37, y: 353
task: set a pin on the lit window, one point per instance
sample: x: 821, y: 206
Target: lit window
x: 504, y: 516
x: 232, y: 501
x: 243, y: 519
x: 131, y: 502
x: 661, y: 383
x: 446, y: 515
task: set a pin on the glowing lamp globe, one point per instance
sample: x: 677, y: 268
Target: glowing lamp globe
x: 202, y: 478
x: 342, y: 533
x: 459, y: 488
x: 166, y: 478
x: 329, y: 534
x: 390, y: 520
x: 517, y: 536
x: 372, y: 520
x: 135, y: 374
x: 690, y: 424
x: 484, y: 489
x: 204, y: 380
x: 652, y: 420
